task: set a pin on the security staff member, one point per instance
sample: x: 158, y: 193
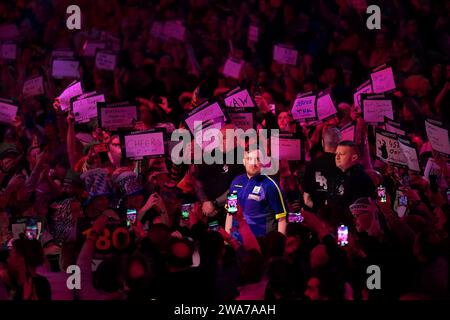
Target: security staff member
x: 322, y: 171
x: 260, y: 198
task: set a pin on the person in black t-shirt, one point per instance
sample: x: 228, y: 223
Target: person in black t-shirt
x: 320, y: 173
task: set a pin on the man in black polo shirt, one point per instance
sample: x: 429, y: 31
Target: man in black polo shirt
x: 353, y: 182
x: 321, y: 171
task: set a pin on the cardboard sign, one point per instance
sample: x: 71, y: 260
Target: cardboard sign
x: 85, y: 109
x: 105, y: 61
x: 33, y: 87
x: 393, y: 127
x: 284, y: 55
x: 304, y: 108
x: 348, y: 132
x: 410, y: 151
x: 375, y: 108
x: 388, y: 148
x: 8, y: 51
x: 438, y: 136
x: 73, y: 90
x: 232, y: 68
x: 239, y: 99
x: 174, y: 29
x: 253, y: 34
x: 382, y: 80
x: 366, y: 87
x: 91, y: 47
x: 241, y: 118
x: 65, y: 69
x: 289, y: 146
x: 115, y: 116
x: 9, y: 31
x: 325, y: 107
x: 144, y: 144
x: 8, y: 112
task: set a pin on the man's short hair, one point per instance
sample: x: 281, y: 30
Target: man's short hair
x: 350, y: 144
x: 331, y: 137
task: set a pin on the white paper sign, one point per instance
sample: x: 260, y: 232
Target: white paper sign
x: 432, y: 168
x: 86, y: 109
x: 374, y: 111
x: 65, y: 69
x: 174, y: 29
x: 393, y: 127
x: 33, y: 87
x: 105, y: 61
x: 348, y: 133
x: 90, y: 47
x: 240, y: 99
x: 325, y: 107
x: 205, y: 116
x: 288, y: 148
x: 284, y: 55
x: 112, y: 118
x: 9, y: 31
x: 364, y: 88
x: 232, y: 68
x: 383, y: 80
x: 7, y: 112
x: 438, y: 137
x: 388, y: 148
x: 242, y: 120
x: 410, y: 152
x: 8, y: 51
x: 71, y: 91
x: 304, y: 108
x: 253, y: 33
x: 138, y: 146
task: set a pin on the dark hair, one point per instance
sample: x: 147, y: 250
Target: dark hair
x: 107, y: 277
x: 331, y: 285
x: 30, y: 250
x: 180, y: 261
x: 350, y: 144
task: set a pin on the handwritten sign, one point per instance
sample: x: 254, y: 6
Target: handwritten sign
x: 232, y: 68
x: 239, y: 99
x: 393, y: 127
x: 33, y: 87
x: 9, y: 31
x: 366, y: 88
x: 289, y: 146
x: 285, y: 55
x: 304, y: 108
x: 240, y: 118
x: 65, y: 69
x: 375, y: 108
x: 438, y: 136
x: 8, y: 112
x: 410, y: 152
x: 8, y: 51
x: 388, y: 148
x: 348, y: 132
x: 90, y: 47
x: 433, y: 169
x: 112, y: 117
x: 253, y: 34
x: 382, y: 80
x: 105, y: 61
x: 139, y: 145
x: 174, y: 29
x: 85, y: 109
x: 325, y: 107
x: 73, y: 90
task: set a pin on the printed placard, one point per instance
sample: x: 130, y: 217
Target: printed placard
x: 8, y: 51
x: 393, y: 127
x: 65, y: 69
x: 289, y: 146
x: 388, y: 148
x: 348, y: 132
x: 366, y: 88
x: 304, y: 108
x: 241, y: 117
x: 285, y: 55
x: 73, y: 90
x: 105, y: 61
x: 253, y: 33
x: 144, y: 144
x: 438, y: 136
x: 239, y: 99
x: 115, y: 116
x: 325, y: 107
x: 410, y: 151
x: 9, y: 31
x: 91, y: 47
x: 375, y: 108
x: 174, y: 29
x: 382, y: 80
x: 33, y: 87
x: 86, y: 108
x: 8, y: 112
x: 232, y: 68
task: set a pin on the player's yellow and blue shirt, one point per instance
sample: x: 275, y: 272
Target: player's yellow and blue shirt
x: 261, y: 200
